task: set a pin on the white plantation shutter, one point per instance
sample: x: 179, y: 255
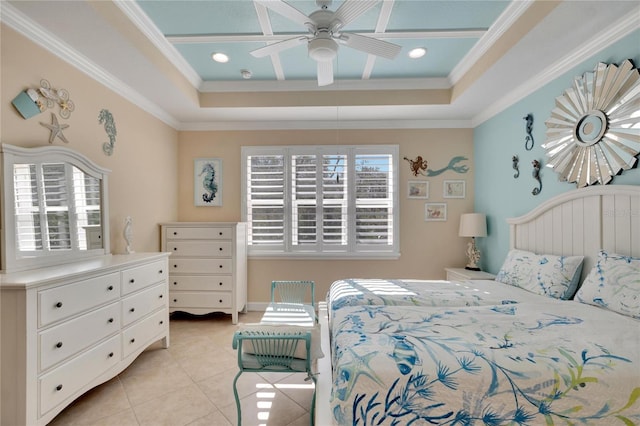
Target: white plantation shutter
x: 45, y: 215
x: 321, y: 200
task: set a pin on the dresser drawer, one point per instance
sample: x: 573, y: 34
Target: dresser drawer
x: 193, y: 299
x: 201, y: 266
x: 67, y: 379
x: 200, y: 248
x: 140, y: 304
x: 204, y: 233
x: 65, y: 340
x: 61, y: 302
x: 201, y: 283
x: 134, y: 279
x: 141, y: 333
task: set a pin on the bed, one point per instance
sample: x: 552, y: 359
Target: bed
x: 554, y: 340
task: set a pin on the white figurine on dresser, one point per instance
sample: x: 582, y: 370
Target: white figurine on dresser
x: 72, y: 315
x: 208, y: 266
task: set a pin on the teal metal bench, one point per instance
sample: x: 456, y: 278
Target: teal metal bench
x: 273, y: 351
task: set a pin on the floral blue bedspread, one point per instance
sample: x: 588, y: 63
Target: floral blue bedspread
x: 410, y: 292
x: 531, y: 363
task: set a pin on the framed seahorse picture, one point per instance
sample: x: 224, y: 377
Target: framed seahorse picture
x: 207, y: 182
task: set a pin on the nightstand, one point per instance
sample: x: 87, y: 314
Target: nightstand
x: 461, y: 274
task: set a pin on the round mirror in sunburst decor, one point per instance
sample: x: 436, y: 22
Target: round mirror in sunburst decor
x: 594, y: 130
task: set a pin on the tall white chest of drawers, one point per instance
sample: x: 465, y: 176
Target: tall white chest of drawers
x: 207, y: 266
x: 68, y: 328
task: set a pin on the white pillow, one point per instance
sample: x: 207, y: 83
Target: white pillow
x: 281, y: 329
x: 546, y: 274
x: 614, y: 284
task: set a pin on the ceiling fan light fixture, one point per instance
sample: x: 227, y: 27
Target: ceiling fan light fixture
x: 220, y: 57
x: 418, y: 52
x: 322, y: 49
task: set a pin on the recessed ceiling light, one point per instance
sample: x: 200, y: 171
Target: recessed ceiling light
x: 220, y: 57
x: 418, y: 52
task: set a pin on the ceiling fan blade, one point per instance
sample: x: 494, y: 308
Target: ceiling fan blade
x: 286, y: 10
x: 350, y: 10
x: 371, y: 45
x: 278, y: 47
x: 325, y: 73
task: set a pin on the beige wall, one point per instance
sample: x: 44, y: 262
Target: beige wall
x: 142, y: 182
x: 426, y: 247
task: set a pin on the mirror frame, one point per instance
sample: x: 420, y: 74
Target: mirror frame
x: 10, y: 259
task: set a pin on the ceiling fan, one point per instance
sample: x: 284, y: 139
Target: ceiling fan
x: 325, y: 34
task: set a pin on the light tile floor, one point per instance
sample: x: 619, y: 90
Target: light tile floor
x: 191, y: 384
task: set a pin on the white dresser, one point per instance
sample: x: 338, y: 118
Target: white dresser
x: 207, y: 267
x: 68, y: 328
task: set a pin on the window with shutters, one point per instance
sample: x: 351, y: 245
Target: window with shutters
x: 321, y: 201
x: 53, y: 204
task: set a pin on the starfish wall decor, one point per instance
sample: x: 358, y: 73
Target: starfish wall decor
x: 56, y: 129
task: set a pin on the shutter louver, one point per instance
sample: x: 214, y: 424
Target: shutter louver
x: 265, y: 192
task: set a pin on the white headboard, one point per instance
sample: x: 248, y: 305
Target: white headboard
x: 581, y: 222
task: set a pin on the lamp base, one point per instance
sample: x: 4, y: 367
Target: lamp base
x: 469, y: 268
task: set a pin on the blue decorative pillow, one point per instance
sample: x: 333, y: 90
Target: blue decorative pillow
x: 614, y: 284
x: 549, y: 275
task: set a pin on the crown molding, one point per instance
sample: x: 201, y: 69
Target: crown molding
x: 325, y: 125
x: 140, y: 19
x: 34, y: 32
x: 595, y: 44
x: 505, y: 21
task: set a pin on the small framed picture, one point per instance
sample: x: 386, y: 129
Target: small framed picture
x: 435, y: 212
x: 207, y: 182
x: 418, y: 189
x: 454, y: 189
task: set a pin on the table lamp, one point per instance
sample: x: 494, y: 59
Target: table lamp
x: 473, y: 225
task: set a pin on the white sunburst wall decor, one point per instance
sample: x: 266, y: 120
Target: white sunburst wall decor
x: 594, y: 130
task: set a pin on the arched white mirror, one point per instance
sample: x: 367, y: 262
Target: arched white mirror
x: 54, y: 207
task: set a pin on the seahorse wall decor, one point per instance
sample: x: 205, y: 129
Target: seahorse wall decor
x: 536, y: 176
x: 106, y: 118
x: 208, y: 182
x: 528, y: 140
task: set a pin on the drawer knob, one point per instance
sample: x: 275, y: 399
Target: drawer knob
x: 220, y: 249
x: 175, y: 283
x: 110, y: 288
x: 175, y: 300
x: 110, y: 354
x: 175, y: 266
x: 220, y: 300
x: 175, y: 249
x: 132, y: 341
x: 160, y: 271
x: 59, y: 345
x: 59, y: 305
x: 220, y: 232
x: 161, y: 296
x: 219, y: 283
x: 175, y: 233
x: 220, y: 266
x: 132, y: 280
x: 59, y: 387
x: 161, y: 322
x: 132, y: 310
x: 110, y: 320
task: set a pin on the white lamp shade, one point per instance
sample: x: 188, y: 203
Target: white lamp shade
x: 473, y: 225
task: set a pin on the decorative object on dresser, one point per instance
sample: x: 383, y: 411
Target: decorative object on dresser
x: 473, y: 225
x: 208, y: 266
x: 592, y: 133
x: 72, y: 315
